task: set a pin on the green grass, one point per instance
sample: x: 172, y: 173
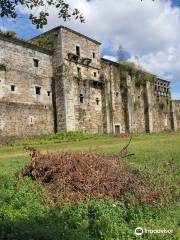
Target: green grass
x: 28, y: 211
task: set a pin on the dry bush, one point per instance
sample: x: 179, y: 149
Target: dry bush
x: 83, y: 176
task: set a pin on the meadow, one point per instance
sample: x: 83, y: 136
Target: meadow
x: 29, y: 211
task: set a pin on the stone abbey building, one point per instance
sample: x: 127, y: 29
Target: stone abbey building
x: 58, y: 82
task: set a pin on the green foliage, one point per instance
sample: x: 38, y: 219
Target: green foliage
x: 164, y: 105
x: 43, y: 41
x: 61, y: 137
x: 9, y: 9
x: 11, y: 34
x: 139, y: 76
x: 27, y: 211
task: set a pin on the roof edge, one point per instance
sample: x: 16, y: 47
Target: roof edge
x: 109, y: 61
x: 25, y: 43
x: 70, y: 30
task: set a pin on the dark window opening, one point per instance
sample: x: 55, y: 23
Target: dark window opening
x: 81, y: 98
x: 79, y: 72
x: 97, y: 101
x: 117, y: 129
x: 117, y: 94
x: 48, y: 93
x: 95, y: 74
x: 38, y: 90
x: 94, y: 55
x: 36, y: 62
x: 78, y: 51
x: 13, y: 88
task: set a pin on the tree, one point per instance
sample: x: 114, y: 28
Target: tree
x: 8, y: 8
x: 121, y: 54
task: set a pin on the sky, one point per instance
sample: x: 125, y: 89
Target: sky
x: 148, y: 31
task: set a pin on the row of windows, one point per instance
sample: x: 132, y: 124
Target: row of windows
x: 81, y: 99
x: 78, y: 52
x: 161, y: 89
x: 80, y: 75
x: 37, y: 90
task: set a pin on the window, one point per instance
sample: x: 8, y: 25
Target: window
x: 13, y: 88
x: 117, y: 129
x: 81, y: 98
x: 117, y: 94
x: 94, y: 55
x: 95, y: 74
x: 97, y: 101
x: 38, y: 90
x: 79, y: 72
x: 78, y: 51
x: 48, y: 93
x: 31, y: 120
x: 36, y: 62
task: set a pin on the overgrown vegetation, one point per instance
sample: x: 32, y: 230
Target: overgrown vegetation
x: 140, y: 77
x: 164, y: 105
x: 85, y: 176
x: 43, y: 41
x: 60, y: 137
x: 29, y: 211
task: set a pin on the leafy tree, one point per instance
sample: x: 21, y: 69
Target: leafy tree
x: 121, y: 54
x: 8, y: 8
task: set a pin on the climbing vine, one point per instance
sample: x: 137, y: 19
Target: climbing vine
x: 43, y: 41
x: 164, y: 105
x: 137, y: 75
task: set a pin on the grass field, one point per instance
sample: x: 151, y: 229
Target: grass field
x: 28, y: 211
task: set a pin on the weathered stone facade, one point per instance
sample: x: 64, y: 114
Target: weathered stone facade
x: 23, y: 111
x: 176, y: 114
x: 69, y: 87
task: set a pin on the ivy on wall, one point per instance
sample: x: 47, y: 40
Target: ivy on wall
x: 137, y: 75
x: 43, y: 41
x: 164, y: 105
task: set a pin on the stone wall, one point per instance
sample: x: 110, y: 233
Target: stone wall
x: 25, y: 88
x: 22, y: 120
x: 114, y: 112
x: 77, y: 93
x: 70, y: 88
x: 176, y: 114
x: 133, y: 103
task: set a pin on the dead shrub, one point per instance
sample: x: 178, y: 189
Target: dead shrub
x: 84, y: 176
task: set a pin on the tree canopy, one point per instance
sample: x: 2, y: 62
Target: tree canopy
x: 9, y: 8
